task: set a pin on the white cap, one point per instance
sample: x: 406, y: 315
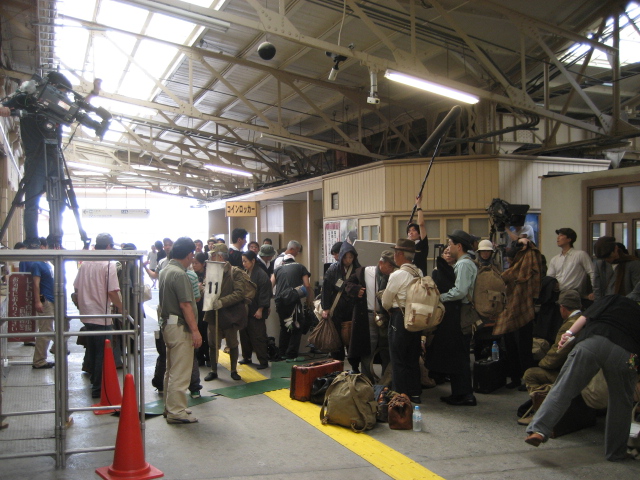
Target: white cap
x: 485, y: 245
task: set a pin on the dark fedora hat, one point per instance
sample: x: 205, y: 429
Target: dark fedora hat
x: 405, y: 245
x: 460, y: 236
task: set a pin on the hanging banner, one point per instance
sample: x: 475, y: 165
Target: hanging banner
x: 116, y: 212
x: 20, y: 304
x: 212, y: 284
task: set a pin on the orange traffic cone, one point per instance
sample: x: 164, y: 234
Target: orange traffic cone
x: 110, y: 390
x: 128, y: 458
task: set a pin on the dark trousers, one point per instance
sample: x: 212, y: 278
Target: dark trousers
x: 94, y: 355
x: 253, y: 338
x: 461, y: 382
x: 404, y: 348
x: 161, y: 367
x: 519, y: 355
x: 202, y: 353
x: 289, y: 342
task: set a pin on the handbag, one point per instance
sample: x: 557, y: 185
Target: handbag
x: 349, y: 402
x: 469, y: 318
x: 146, y: 293
x: 400, y: 413
x: 325, y: 336
x: 320, y: 386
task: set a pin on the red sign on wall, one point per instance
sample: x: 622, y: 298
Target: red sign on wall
x: 20, y: 304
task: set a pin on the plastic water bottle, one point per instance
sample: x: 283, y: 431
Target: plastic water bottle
x: 495, y: 352
x: 417, y: 419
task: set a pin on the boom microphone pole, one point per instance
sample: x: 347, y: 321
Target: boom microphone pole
x: 436, y: 138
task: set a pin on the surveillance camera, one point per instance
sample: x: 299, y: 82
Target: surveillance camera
x: 373, y: 100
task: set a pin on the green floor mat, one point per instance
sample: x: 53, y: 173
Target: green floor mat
x: 157, y: 407
x: 283, y: 369
x: 253, y: 388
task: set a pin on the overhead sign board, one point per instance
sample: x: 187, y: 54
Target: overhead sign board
x: 116, y: 212
x: 242, y: 209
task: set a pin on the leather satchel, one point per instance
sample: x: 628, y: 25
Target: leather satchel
x: 400, y: 413
x: 349, y: 402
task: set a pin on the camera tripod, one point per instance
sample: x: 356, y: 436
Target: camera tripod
x: 59, y: 191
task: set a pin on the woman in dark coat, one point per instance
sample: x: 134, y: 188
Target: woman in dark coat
x: 254, y: 336
x: 443, y: 356
x: 335, y: 280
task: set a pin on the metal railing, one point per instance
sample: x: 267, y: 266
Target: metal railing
x: 132, y: 312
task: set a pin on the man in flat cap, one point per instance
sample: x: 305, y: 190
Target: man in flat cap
x: 229, y: 314
x: 404, y: 346
x: 265, y: 257
x: 626, y: 276
x: 571, y: 267
x: 455, y: 301
x: 97, y: 287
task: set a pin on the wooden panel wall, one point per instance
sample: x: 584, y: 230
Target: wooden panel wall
x: 360, y: 192
x: 520, y: 178
x: 453, y: 185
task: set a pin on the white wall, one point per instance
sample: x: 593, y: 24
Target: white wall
x: 563, y: 205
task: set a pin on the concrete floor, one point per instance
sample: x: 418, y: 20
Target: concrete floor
x: 255, y: 437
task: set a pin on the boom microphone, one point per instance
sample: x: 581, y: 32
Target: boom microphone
x: 441, y: 130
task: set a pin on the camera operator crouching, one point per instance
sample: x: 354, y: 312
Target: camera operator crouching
x: 41, y: 139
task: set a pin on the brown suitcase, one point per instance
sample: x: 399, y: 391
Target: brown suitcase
x: 302, y: 377
x: 578, y: 416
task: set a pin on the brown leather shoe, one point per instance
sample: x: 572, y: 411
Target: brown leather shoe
x: 535, y: 439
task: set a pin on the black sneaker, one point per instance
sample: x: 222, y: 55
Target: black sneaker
x: 210, y: 376
x: 245, y: 361
x: 235, y: 376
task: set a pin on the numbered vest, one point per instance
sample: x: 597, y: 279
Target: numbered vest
x: 213, y: 283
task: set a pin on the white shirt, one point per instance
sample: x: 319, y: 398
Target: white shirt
x: 571, y: 270
x: 370, y: 285
x: 94, y: 282
x: 395, y: 295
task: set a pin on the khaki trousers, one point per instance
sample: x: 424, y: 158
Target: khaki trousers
x: 535, y: 377
x: 42, y: 343
x: 179, y: 365
x: 230, y: 336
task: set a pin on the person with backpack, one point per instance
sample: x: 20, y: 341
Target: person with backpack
x: 229, y: 313
x: 291, y: 281
x: 404, y: 346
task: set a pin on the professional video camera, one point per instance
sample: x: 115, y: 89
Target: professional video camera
x: 42, y: 98
x: 502, y: 213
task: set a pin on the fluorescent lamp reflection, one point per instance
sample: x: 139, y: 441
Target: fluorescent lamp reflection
x: 88, y: 167
x: 431, y: 87
x: 231, y: 171
x: 295, y: 143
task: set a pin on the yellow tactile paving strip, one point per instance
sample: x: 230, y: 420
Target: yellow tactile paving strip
x: 381, y: 456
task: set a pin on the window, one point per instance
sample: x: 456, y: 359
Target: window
x: 334, y: 201
x: 614, y: 210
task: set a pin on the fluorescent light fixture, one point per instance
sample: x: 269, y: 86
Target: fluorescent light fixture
x: 295, y: 143
x: 181, y: 13
x: 231, y: 171
x: 88, y: 167
x: 431, y: 87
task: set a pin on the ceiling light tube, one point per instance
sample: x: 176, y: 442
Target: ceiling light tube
x: 89, y: 167
x: 294, y: 143
x: 231, y: 171
x: 432, y: 87
x: 181, y: 13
